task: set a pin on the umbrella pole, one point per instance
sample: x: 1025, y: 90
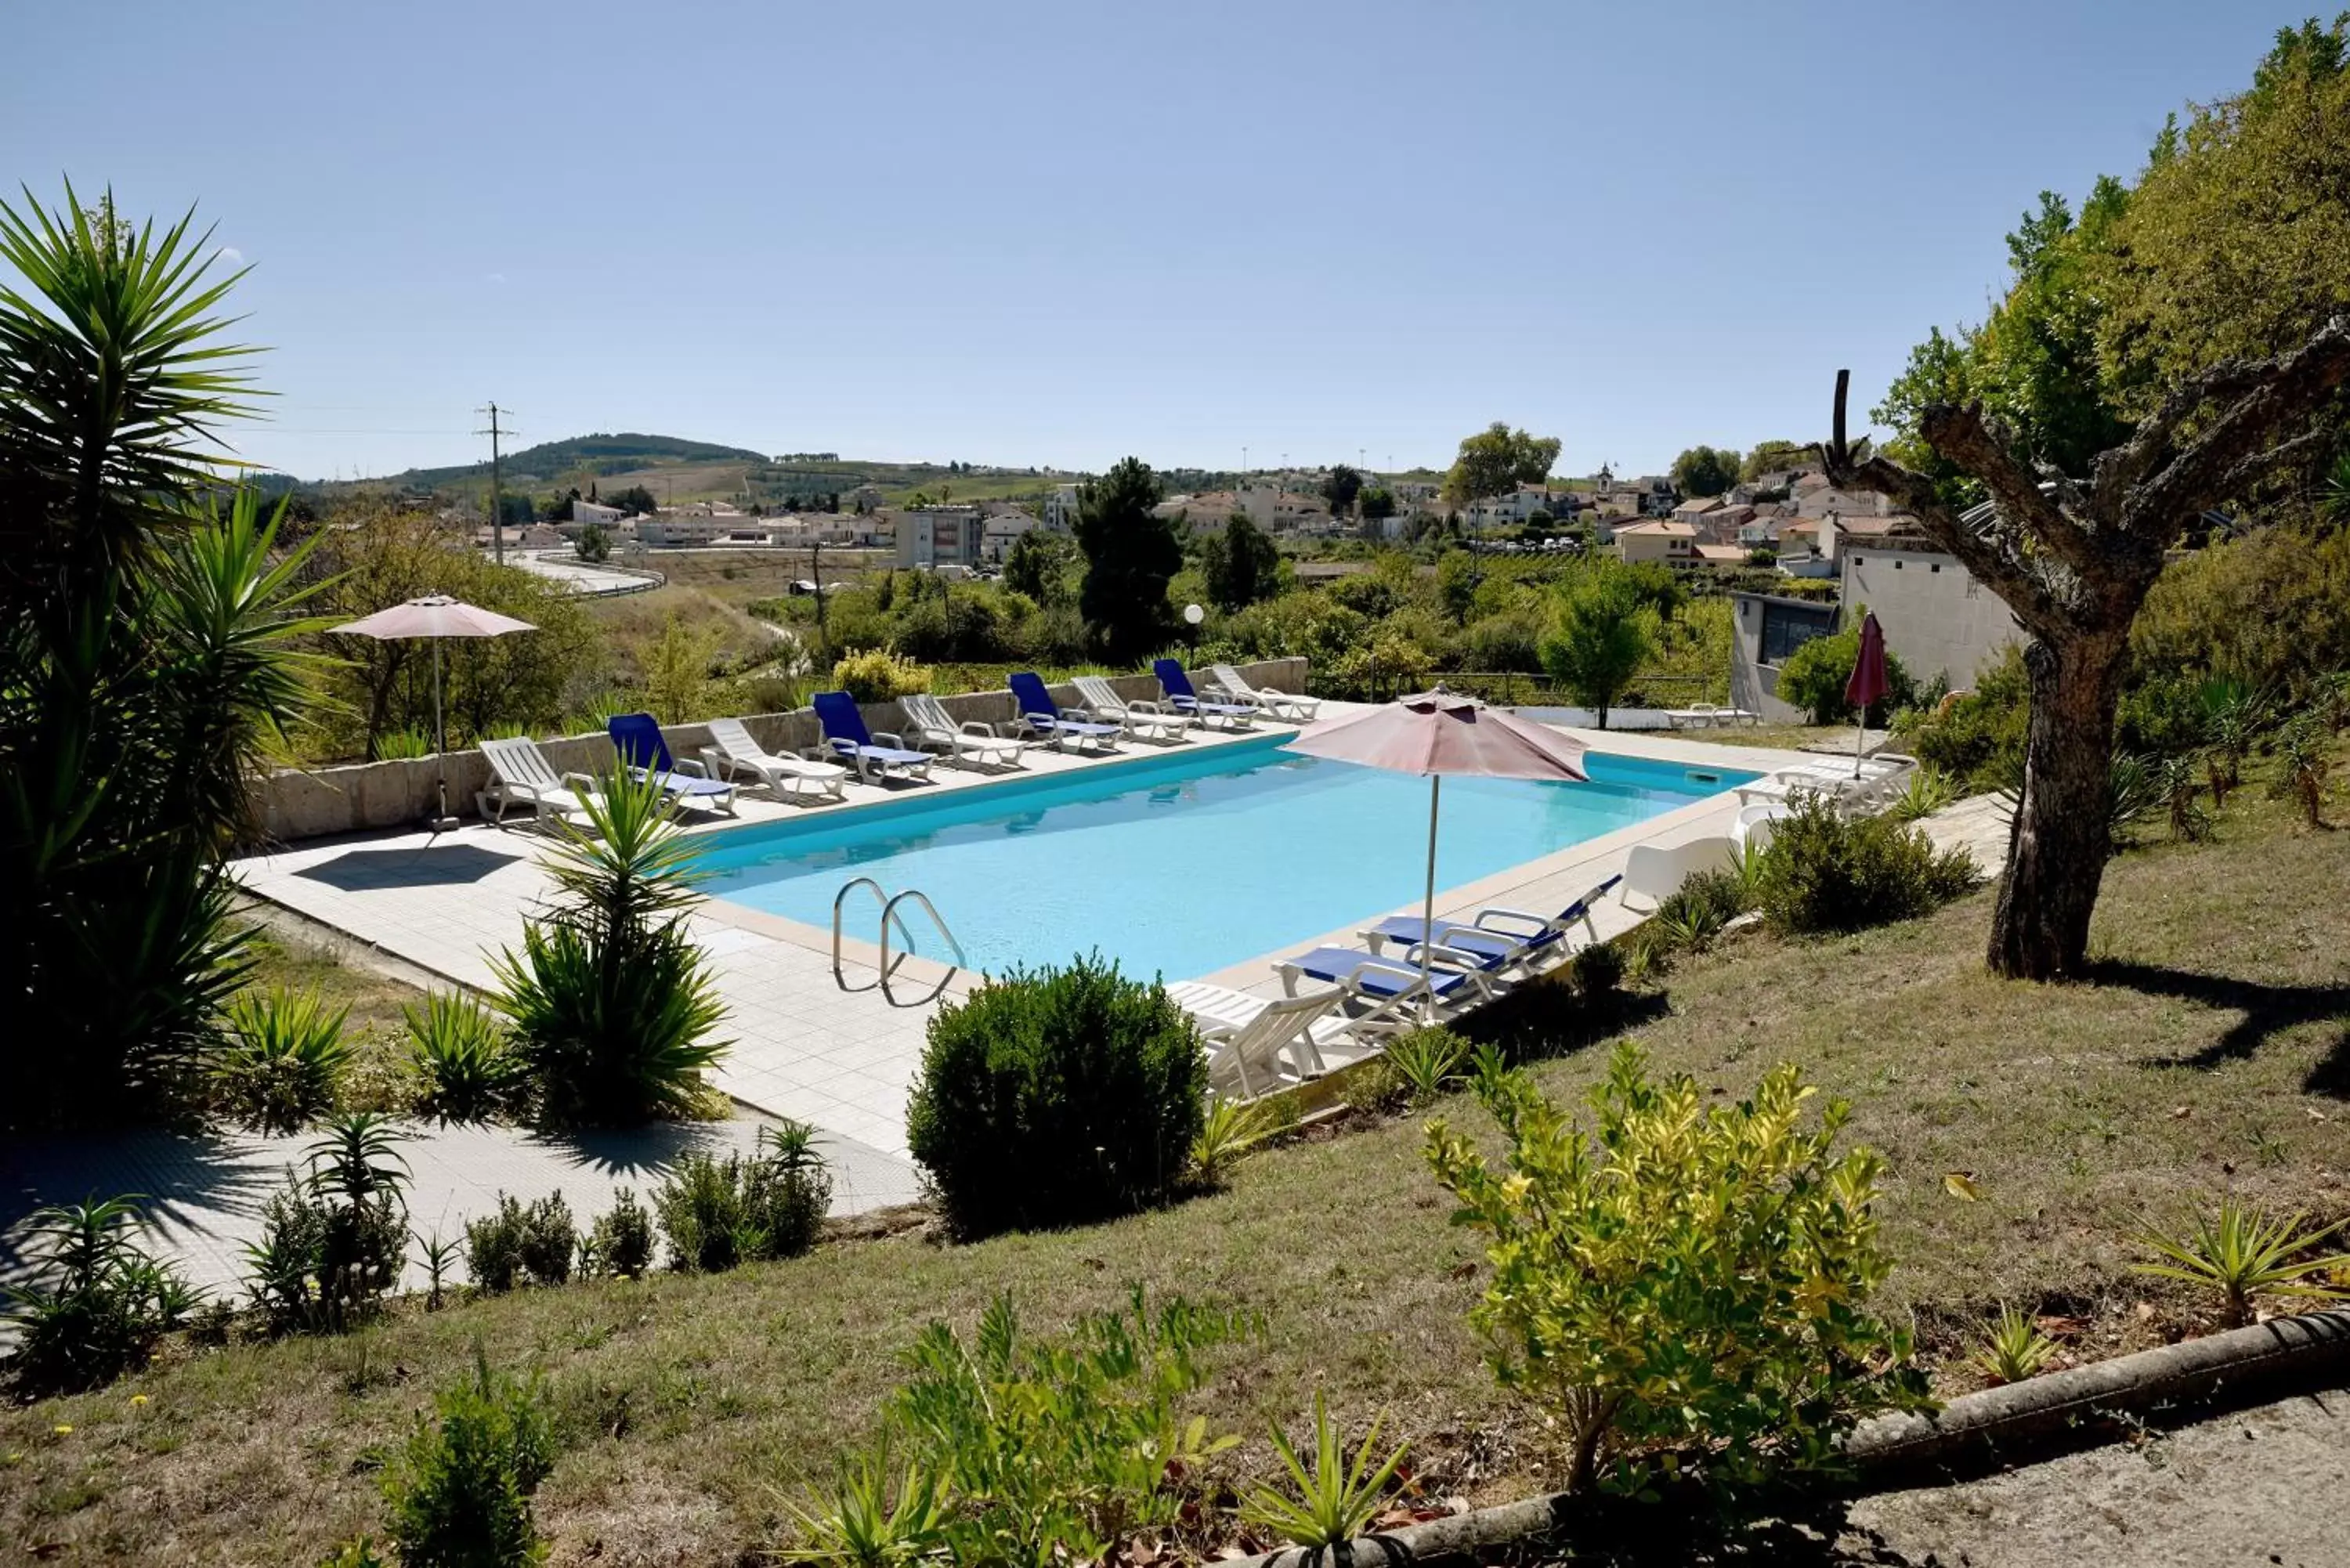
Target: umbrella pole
x: 1860, y: 741
x: 1427, y: 907
x: 441, y: 740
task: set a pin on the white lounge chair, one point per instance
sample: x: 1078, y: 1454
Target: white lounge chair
x: 732, y: 751
x: 1696, y: 716
x: 1653, y: 874
x: 930, y: 726
x: 1145, y: 720
x: 1280, y: 704
x: 1257, y: 1047
x: 520, y: 775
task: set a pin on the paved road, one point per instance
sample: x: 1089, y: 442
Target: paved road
x: 583, y: 578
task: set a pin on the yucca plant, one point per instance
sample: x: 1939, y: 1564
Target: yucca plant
x: 1334, y: 1498
x: 400, y: 744
x: 147, y: 641
x: 1229, y: 1130
x: 1428, y: 1062
x: 2303, y: 760
x: 95, y: 1301
x: 2012, y: 1349
x: 1927, y: 792
x: 284, y: 1055
x: 464, y: 1070
x: 611, y: 1003
x: 2190, y: 823
x: 861, y: 1524
x: 2231, y: 714
x: 2241, y: 1253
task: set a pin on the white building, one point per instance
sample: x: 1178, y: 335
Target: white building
x: 930, y: 538
x: 1061, y: 508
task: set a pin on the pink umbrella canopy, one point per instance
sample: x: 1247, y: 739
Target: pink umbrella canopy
x: 1439, y: 734
x: 435, y: 615
x: 1444, y: 734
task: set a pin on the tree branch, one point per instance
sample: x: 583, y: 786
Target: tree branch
x: 1961, y: 434
x: 2149, y: 448
x: 2273, y: 396
x: 2001, y: 565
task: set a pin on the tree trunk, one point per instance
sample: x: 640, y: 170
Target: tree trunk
x: 2056, y: 852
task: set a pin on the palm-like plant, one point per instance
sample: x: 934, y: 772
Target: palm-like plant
x: 95, y: 1301
x: 464, y: 1069
x: 2304, y: 758
x: 2242, y: 1251
x: 143, y: 659
x: 610, y: 1000
x: 2012, y: 1349
x: 285, y: 1053
x: 1334, y: 1499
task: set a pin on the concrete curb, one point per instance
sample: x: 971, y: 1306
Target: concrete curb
x: 1975, y: 1430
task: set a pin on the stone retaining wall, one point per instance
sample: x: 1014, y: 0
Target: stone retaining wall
x: 353, y: 797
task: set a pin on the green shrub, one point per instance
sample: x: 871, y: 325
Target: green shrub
x: 465, y: 1072
x: 1977, y: 737
x: 878, y: 675
x: 94, y: 1302
x: 1427, y: 1061
x: 1057, y: 1096
x: 1683, y: 1275
x: 1049, y: 1450
x: 1827, y: 872
x: 460, y: 1495
x: 283, y: 1057
x: 621, y: 1242
x: 611, y: 1003
x: 1596, y: 974
x: 1815, y: 676
x: 536, y: 1243
x: 335, y: 1240
x: 718, y: 1213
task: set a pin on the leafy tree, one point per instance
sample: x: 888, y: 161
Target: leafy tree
x: 1705, y: 470
x: 557, y: 508
x: 1772, y: 457
x: 1038, y: 566
x: 594, y: 544
x: 2032, y: 411
x: 148, y: 660
x: 1131, y: 555
x: 1378, y: 502
x: 636, y: 501
x: 1241, y: 562
x: 1340, y: 489
x: 1456, y: 584
x: 1496, y: 460
x: 1815, y: 675
x: 1603, y: 631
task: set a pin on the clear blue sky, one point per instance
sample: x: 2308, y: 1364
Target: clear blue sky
x: 1035, y: 234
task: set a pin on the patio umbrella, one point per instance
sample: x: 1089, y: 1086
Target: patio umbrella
x: 1437, y: 734
x: 435, y: 615
x: 1869, y: 683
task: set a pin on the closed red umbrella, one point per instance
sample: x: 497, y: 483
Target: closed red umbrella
x: 1869, y: 683
x: 1434, y: 734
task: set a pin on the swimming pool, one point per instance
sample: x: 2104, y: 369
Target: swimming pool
x: 1183, y: 863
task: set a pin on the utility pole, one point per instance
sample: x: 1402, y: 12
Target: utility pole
x: 498, y: 488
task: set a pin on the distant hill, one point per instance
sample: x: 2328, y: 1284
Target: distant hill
x: 577, y: 459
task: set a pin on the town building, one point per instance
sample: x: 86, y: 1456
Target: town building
x: 1658, y: 539
x: 931, y: 539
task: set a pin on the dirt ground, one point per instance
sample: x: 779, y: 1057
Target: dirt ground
x: 2269, y: 1485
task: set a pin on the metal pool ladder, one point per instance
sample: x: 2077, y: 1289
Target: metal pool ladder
x: 892, y: 920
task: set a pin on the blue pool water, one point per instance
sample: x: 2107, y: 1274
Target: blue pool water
x: 1182, y: 863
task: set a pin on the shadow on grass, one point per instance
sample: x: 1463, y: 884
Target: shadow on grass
x: 2266, y: 1010
x: 1547, y: 1017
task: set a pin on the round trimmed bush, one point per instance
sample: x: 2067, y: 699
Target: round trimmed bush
x: 1057, y: 1096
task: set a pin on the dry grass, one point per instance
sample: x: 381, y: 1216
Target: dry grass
x: 633, y: 623
x: 2210, y: 1051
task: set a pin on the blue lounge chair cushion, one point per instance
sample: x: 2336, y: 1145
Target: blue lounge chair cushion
x: 844, y: 727
x: 644, y: 750
x: 1494, y: 947
x: 1035, y: 703
x: 1374, y: 976
x: 1178, y: 687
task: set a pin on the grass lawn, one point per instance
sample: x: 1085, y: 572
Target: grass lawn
x: 2210, y: 1052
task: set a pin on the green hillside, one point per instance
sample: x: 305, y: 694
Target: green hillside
x: 576, y: 458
